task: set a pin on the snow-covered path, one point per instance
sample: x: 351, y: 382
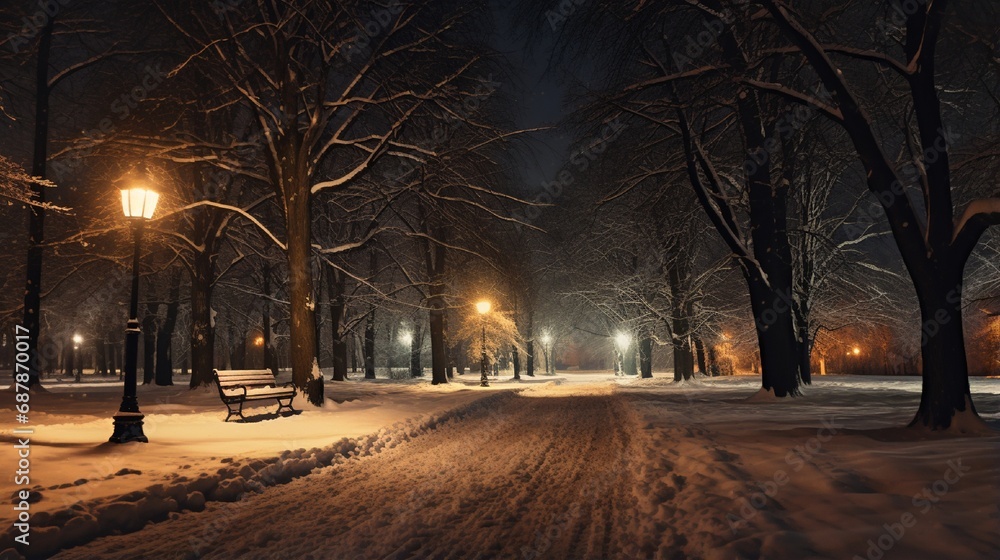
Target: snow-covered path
x: 535, y: 477
x: 628, y: 469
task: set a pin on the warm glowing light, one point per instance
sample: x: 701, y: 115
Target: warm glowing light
x: 259, y: 341
x: 856, y: 351
x: 139, y: 202
x: 483, y: 307
x: 622, y: 340
x: 406, y: 338
x: 77, y: 339
x: 546, y: 339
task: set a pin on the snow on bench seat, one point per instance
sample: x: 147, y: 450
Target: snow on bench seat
x: 239, y: 386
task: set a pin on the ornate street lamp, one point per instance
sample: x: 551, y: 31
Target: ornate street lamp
x: 138, y: 204
x: 483, y: 307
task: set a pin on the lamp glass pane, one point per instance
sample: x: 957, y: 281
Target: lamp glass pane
x: 151, y: 199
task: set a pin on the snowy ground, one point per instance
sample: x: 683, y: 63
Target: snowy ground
x: 584, y: 466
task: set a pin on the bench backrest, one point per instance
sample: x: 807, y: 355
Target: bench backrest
x: 231, y: 378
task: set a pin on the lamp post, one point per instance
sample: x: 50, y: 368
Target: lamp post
x: 546, y: 340
x: 77, y: 340
x: 408, y: 342
x: 483, y: 307
x: 138, y: 204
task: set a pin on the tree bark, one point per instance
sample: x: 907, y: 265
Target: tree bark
x: 336, y: 284
x: 646, y: 357
x: 202, y: 327
x: 699, y: 352
x: 149, y: 342
x: 416, y: 370
x: 629, y: 365
x: 370, y: 345
x: 36, y: 214
x: 302, y: 305
x: 165, y: 336
x: 435, y: 258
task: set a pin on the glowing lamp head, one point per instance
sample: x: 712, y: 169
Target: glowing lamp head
x: 546, y: 339
x: 406, y: 338
x: 622, y: 340
x: 259, y: 341
x: 139, y: 202
x: 77, y: 339
x: 483, y: 307
x: 856, y: 351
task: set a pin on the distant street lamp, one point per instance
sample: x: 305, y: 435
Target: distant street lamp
x: 408, y: 341
x: 483, y: 307
x: 138, y: 204
x: 546, y: 349
x: 77, y: 341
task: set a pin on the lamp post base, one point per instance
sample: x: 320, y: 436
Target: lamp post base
x: 128, y: 427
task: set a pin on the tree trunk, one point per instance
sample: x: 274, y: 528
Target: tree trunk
x: 646, y: 357
x: 416, y: 370
x: 68, y: 359
x: 530, y: 358
x: 945, y: 379
x: 779, y: 355
x: 109, y: 352
x: 713, y: 365
x: 699, y: 352
x: 336, y: 284
x: 439, y: 336
x: 202, y: 322
x: 370, y: 346
x: 165, y: 336
x: 36, y: 214
x: 354, y: 353
x: 302, y: 304
x: 629, y: 366
x: 517, y: 363
x: 683, y: 359
x: 270, y: 353
x: 435, y: 260
x: 102, y: 359
x: 149, y: 342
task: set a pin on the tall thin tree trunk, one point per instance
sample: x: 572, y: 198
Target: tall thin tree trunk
x: 699, y: 350
x: 202, y: 322
x: 149, y: 342
x: 165, y: 336
x: 370, y: 345
x: 336, y: 284
x: 646, y: 357
x: 270, y: 353
x: 416, y: 370
x: 36, y: 214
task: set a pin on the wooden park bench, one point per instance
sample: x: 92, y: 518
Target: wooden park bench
x: 238, y: 386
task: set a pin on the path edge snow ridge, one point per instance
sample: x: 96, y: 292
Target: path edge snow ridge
x: 86, y: 521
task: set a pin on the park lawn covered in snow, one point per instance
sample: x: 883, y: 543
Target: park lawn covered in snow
x: 583, y: 466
